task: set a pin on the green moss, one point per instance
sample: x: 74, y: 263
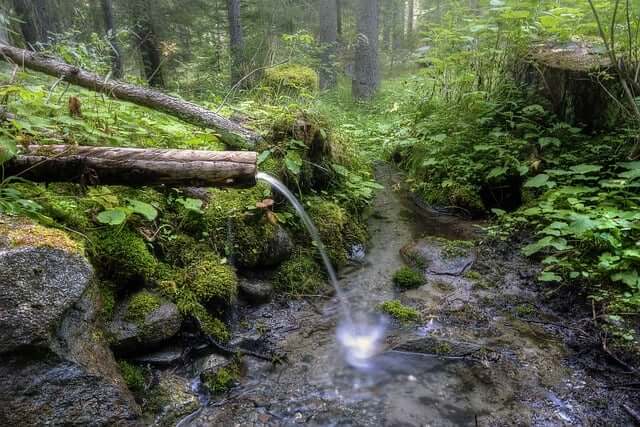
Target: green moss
x: 133, y: 376
x: 408, y: 278
x: 189, y: 305
x: 140, y: 305
x: 123, y: 255
x: 181, y: 250
x: 292, y: 79
x: 457, y: 194
x: 399, y: 311
x: 456, y: 248
x: 210, y: 280
x: 223, y: 379
x: 525, y: 310
x: 330, y: 219
x: 300, y: 275
x: 20, y: 232
x: 230, y: 203
x: 107, y: 294
x: 273, y: 166
x: 442, y: 348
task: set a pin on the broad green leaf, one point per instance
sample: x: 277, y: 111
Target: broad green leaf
x: 190, y: 204
x: 145, y: 209
x: 584, y: 168
x: 496, y: 172
x: 537, y: 181
x: 263, y: 156
x: 115, y: 216
x: 548, y: 276
x: 7, y: 149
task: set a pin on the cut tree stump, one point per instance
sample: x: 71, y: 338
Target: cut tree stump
x: 576, y: 81
x: 231, y: 133
x: 134, y: 166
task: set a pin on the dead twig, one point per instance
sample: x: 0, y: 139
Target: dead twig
x: 633, y: 413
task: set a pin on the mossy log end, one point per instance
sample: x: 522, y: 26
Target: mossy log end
x: 231, y: 133
x: 134, y: 166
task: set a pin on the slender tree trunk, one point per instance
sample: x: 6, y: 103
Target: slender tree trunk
x: 236, y: 41
x: 339, y: 17
x: 36, y: 20
x: 150, y: 51
x: 410, y: 19
x: 110, y: 27
x: 387, y: 24
x: 328, y: 42
x: 367, y: 75
x: 397, y: 23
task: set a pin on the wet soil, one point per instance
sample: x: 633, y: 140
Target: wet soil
x: 486, y: 352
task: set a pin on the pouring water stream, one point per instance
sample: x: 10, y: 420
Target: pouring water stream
x: 359, y: 337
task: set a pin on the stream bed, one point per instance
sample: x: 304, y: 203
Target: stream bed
x: 485, y: 353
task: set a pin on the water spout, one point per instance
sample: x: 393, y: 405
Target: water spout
x: 360, y: 337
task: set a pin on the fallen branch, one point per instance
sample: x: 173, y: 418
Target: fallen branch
x: 230, y: 132
x: 134, y: 166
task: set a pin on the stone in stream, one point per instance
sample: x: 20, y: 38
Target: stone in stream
x: 164, y: 357
x: 255, y: 291
x: 442, y: 347
x: 54, y: 363
x: 137, y: 336
x: 172, y: 398
x: 438, y: 256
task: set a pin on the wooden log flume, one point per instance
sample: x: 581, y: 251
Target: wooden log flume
x: 134, y: 166
x: 230, y: 132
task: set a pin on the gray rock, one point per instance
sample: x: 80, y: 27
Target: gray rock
x: 440, y: 256
x: 175, y: 398
x: 54, y: 364
x: 164, y: 357
x: 159, y: 326
x: 209, y: 363
x: 38, y: 286
x: 255, y: 291
x: 277, y: 249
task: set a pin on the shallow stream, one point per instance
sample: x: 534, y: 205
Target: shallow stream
x: 468, y: 362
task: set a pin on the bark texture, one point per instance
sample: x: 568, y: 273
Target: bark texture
x: 328, y: 38
x: 37, y: 20
x: 236, y: 41
x: 134, y: 166
x: 110, y: 26
x: 367, y: 75
x: 230, y: 132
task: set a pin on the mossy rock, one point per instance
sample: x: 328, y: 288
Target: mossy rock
x: 133, y: 376
x: 399, y: 311
x: 408, y: 278
x: 300, y: 275
x: 258, y: 243
x: 226, y: 204
x: 20, y: 232
x: 291, y: 79
x: 123, y: 255
x: 330, y: 220
x: 140, y: 305
x: 211, y: 281
x: 221, y: 380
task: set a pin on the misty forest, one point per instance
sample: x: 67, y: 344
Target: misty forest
x: 320, y: 212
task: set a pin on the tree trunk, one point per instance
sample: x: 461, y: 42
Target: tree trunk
x: 339, y: 18
x: 410, y: 22
x: 328, y: 43
x: 36, y: 20
x: 236, y: 41
x: 134, y: 166
x: 110, y: 27
x: 150, y: 51
x: 397, y: 23
x: 230, y: 132
x: 367, y: 76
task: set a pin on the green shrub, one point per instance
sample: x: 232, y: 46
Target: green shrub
x: 408, y: 278
x: 133, y: 376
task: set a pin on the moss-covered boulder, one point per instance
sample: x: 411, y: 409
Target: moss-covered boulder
x: 54, y: 363
x: 300, y: 275
x: 123, y: 255
x: 142, y: 322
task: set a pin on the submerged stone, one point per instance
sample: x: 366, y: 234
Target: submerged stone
x: 171, y: 399
x: 256, y: 291
x: 440, y: 256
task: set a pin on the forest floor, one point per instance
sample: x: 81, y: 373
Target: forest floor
x: 486, y: 351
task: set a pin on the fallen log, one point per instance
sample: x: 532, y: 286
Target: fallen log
x: 134, y: 166
x: 230, y: 132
